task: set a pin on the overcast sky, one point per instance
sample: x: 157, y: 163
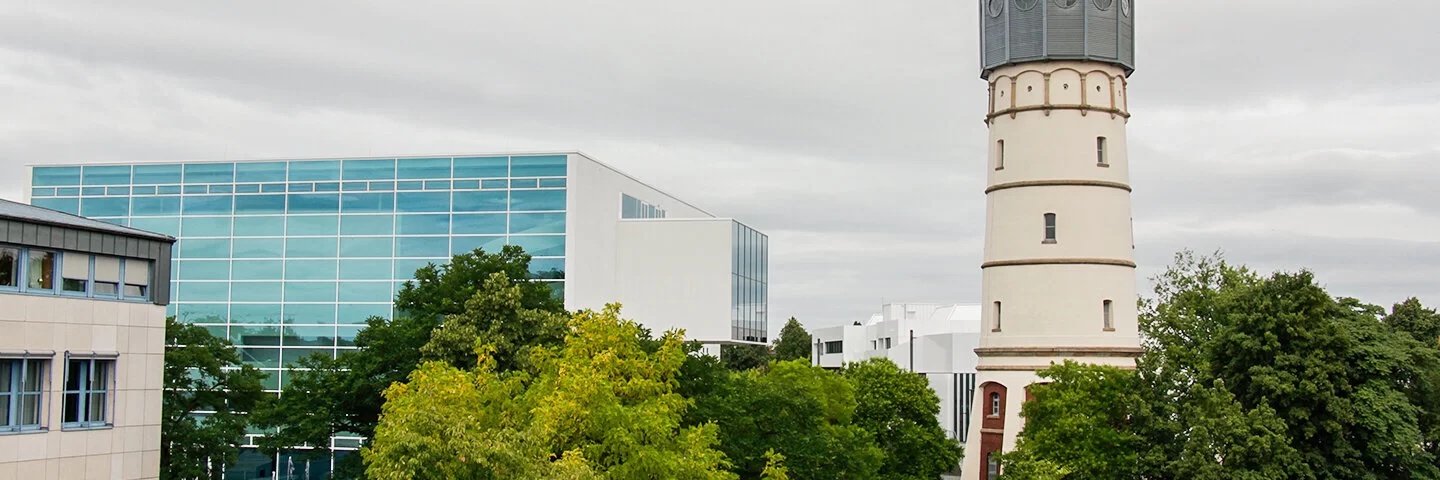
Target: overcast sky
x: 1291, y: 134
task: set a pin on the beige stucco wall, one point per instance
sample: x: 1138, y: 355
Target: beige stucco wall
x: 131, y: 448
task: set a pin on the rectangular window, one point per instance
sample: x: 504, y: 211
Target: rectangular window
x: 1100, y: 157
x: 137, y: 278
x: 996, y: 328
x: 834, y: 347
x: 482, y: 167
x: 9, y: 267
x: 22, y: 385
x: 1109, y: 315
x: 1049, y: 228
x: 87, y: 392
x: 75, y: 273
x: 259, y: 172
x: 40, y: 274
x: 1000, y: 155
x: 107, y: 275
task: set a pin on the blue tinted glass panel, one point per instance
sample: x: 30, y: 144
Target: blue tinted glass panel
x: 255, y: 314
x: 117, y: 191
x: 422, y: 202
x: 541, y: 246
x: 524, y: 183
x: 255, y: 336
x: 42, y: 192
x: 269, y: 226
x: 423, y: 224
x: 369, y: 169
x: 67, y: 191
x: 105, y: 207
x: 272, y: 188
x: 467, y: 184
x: 482, y: 167
x: 260, y: 357
x: 303, y: 313
x: 258, y: 247
x: 203, y: 269
x: 202, y: 291
x: 345, y: 336
x: 537, y: 223
x: 67, y: 205
x: 309, y: 171
x: 354, y: 186
x: 95, y: 191
x: 215, y: 188
x: 310, y: 292
x: 405, y: 269
x: 55, y: 176
x: 260, y: 172
x: 143, y: 190
x: 365, y: 269
x: 310, y: 247
x: 481, y: 223
x: 206, y: 227
x: 437, y: 185
x: 309, y: 336
x: 415, y: 185
x: 247, y: 188
x: 353, y: 314
x: 148, y: 174
x: 141, y: 206
x: 489, y: 184
x: 204, y: 248
x: 367, y: 202
x: 538, y: 166
x: 462, y: 244
x: 365, y: 291
x: 302, y: 187
x: 289, y: 356
x: 422, y: 246
x: 106, y: 175
x: 207, y: 205
x: 257, y: 269
x: 209, y: 173
x: 480, y: 201
x: 169, y: 226
x: 365, y: 247
x: 315, y: 203
x: 312, y: 225
x: 201, y: 313
x: 197, y: 189
x: 382, y: 186
x: 538, y: 200
x: 552, y: 182
x: 255, y: 291
x: 327, y: 187
x: 367, y: 224
x: 167, y: 190
x: 310, y: 269
x: 423, y: 168
x: 547, y: 268
x: 249, y: 204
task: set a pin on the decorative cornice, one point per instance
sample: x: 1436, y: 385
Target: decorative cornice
x: 1058, y: 183
x: 1083, y: 109
x: 1076, y: 351
x: 1059, y: 261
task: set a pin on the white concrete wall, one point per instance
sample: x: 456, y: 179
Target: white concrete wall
x: 675, y: 274
x: 131, y: 448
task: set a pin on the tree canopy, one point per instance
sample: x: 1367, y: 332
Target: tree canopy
x: 203, y: 373
x: 794, y: 342
x: 902, y: 412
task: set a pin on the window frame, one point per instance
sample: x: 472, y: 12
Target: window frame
x: 996, y: 311
x: 1052, y: 228
x: 1108, y: 310
x: 995, y: 405
x: 83, y: 420
x: 1000, y: 154
x: 57, y: 280
x: 1102, y: 152
x: 16, y: 395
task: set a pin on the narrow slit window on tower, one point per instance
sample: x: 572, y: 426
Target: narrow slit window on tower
x: 1049, y: 228
x: 996, y: 328
x: 995, y: 404
x: 1000, y: 155
x: 1109, y: 315
x: 1101, y: 158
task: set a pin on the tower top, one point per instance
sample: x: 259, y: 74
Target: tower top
x: 1017, y: 31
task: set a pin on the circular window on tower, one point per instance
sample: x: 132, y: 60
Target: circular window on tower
x: 996, y: 7
x: 1026, y: 5
x: 1125, y: 7
x: 1104, y: 4
x: 1066, y: 3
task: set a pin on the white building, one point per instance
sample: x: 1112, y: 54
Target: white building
x: 936, y: 340
x: 82, y: 332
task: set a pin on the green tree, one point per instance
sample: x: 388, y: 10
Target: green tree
x: 495, y: 315
x: 1079, y: 421
x: 901, y: 410
x: 745, y: 357
x: 794, y: 342
x: 203, y: 373
x: 440, y: 290
x: 805, y: 413
x: 601, y: 405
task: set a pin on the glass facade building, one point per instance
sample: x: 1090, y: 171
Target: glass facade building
x: 749, y: 277
x: 264, y: 246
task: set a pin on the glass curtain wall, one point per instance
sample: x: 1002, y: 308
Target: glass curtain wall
x: 748, y: 283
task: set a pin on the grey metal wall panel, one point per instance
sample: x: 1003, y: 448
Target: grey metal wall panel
x: 1033, y: 30
x: 1103, y: 29
x: 4, y: 230
x: 1065, y: 33
x: 993, y: 38
x: 87, y: 241
x: 1027, y: 34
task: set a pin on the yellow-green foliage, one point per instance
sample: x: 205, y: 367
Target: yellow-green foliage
x: 600, y: 406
